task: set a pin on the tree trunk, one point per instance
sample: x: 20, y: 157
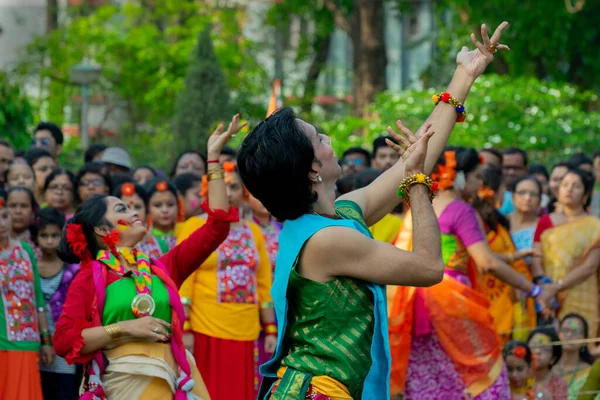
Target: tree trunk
x: 369, y: 56
x: 314, y: 71
x: 51, y: 15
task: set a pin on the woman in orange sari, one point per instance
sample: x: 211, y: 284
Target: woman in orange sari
x: 512, y: 314
x: 443, y: 339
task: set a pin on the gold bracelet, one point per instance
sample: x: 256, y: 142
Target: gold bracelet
x: 217, y: 173
x: 114, y: 331
x: 409, y: 181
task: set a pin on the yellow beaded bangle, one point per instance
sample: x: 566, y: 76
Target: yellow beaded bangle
x: 271, y: 329
x: 404, y: 187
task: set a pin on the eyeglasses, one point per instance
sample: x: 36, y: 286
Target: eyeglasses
x: 527, y: 192
x: 94, y: 182
x: 60, y: 188
x: 42, y: 142
x: 357, y: 162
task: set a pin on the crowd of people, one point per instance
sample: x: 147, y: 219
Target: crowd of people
x: 411, y: 270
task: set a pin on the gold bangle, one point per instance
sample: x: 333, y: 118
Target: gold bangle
x: 114, y: 331
x: 404, y: 187
x: 217, y: 173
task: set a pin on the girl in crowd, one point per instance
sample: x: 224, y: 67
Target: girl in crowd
x: 559, y: 170
x: 540, y: 173
x: 91, y: 180
x: 165, y: 210
x: 189, y: 188
x: 191, y: 162
x: 569, y: 244
x: 59, y: 381
x: 523, y: 221
x: 59, y: 191
x: 229, y: 299
x: 43, y: 164
x: 123, y: 307
x: 576, y: 361
x: 546, y: 358
x: 144, y: 174
x: 23, y: 209
x: 519, y: 363
x: 510, y: 311
x: 20, y: 174
x: 137, y: 199
x: 23, y: 322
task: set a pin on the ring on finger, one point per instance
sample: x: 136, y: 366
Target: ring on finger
x: 493, y: 48
x: 156, y: 329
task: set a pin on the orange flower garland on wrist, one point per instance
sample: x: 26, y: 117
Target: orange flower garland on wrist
x: 446, y: 173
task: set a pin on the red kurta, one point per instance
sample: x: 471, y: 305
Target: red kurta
x: 180, y: 263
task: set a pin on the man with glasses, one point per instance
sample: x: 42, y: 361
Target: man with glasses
x: 354, y: 160
x: 7, y: 156
x: 48, y: 136
x: 514, y: 166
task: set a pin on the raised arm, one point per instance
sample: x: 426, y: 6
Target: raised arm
x: 378, y: 199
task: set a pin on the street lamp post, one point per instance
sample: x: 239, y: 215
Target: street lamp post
x: 84, y: 74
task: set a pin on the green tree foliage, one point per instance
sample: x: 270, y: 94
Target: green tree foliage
x: 205, y: 97
x: 16, y: 114
x: 549, y: 120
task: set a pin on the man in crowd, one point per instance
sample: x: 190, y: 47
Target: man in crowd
x: 48, y: 136
x: 7, y: 156
x: 514, y: 166
x: 117, y: 161
x: 582, y: 161
x: 94, y: 152
x: 384, y: 157
x: 354, y: 160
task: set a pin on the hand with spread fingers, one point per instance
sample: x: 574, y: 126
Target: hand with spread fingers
x: 475, y: 61
x: 219, y: 139
x: 411, y: 148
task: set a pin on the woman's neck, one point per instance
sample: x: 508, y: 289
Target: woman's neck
x: 162, y: 229
x: 572, y: 212
x: 325, y: 204
x: 541, y: 373
x: 519, y: 218
x: 569, y: 361
x: 263, y: 219
x: 4, y: 243
x: 49, y: 257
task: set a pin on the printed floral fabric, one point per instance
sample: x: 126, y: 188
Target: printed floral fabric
x: 271, y: 234
x: 150, y: 247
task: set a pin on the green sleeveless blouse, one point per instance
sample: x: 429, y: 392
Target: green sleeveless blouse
x: 330, y: 325
x: 119, y: 295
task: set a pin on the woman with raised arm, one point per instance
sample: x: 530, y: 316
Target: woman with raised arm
x: 329, y: 296
x: 123, y: 317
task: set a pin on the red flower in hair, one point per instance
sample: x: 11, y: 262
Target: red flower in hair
x: 78, y: 242
x: 1, y: 202
x: 481, y: 159
x: 229, y: 166
x: 162, y: 186
x: 128, y: 189
x: 520, y: 352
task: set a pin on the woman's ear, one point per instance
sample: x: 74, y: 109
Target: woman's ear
x: 101, y: 230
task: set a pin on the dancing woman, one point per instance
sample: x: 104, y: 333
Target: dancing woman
x: 123, y: 307
x: 328, y: 290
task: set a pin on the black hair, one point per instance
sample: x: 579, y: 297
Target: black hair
x: 56, y: 132
x: 47, y: 216
x: 366, y: 177
x: 93, y: 151
x: 174, y: 169
x: 58, y: 172
x: 492, y: 179
x: 344, y: 185
x: 90, y: 215
x: 120, y: 178
x: 139, y: 190
x: 467, y: 159
x: 277, y: 153
x: 551, y: 333
x: 528, y: 178
x: 358, y: 150
x: 515, y: 150
x: 145, y: 167
x: 93, y: 167
x: 34, y: 205
x: 14, y: 164
x: 184, y: 182
x: 6, y: 144
x: 229, y: 151
x: 560, y: 164
x: 380, y: 142
x: 33, y: 155
x: 494, y: 151
x: 579, y: 159
x: 596, y: 154
x: 584, y: 352
x: 538, y: 169
x: 150, y: 187
x: 588, y: 183
x: 510, y: 347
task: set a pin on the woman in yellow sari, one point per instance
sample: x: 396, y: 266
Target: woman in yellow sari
x: 569, y: 241
x: 513, y: 314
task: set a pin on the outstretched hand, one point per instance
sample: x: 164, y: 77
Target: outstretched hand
x: 412, y: 149
x: 219, y: 139
x: 476, y: 61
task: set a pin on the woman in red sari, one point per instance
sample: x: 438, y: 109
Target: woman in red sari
x: 123, y: 317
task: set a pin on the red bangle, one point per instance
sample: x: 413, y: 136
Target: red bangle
x: 213, y: 162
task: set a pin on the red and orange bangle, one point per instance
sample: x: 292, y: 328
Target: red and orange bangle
x: 46, y: 338
x: 453, y: 101
x: 270, y: 328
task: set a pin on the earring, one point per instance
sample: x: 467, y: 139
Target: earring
x: 319, y: 179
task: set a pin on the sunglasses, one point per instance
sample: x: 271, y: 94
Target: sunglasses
x: 357, y: 162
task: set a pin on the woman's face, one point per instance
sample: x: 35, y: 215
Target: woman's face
x: 20, y: 209
x: 192, y: 200
x: 21, y: 175
x: 136, y: 203
x: 48, y: 238
x: 5, y: 225
x: 163, y: 210
x: 42, y: 168
x: 555, y: 177
x: 474, y: 180
x: 132, y: 228
x: 527, y: 197
x: 235, y: 189
x: 59, y: 193
x: 571, y: 329
x: 91, y: 184
x: 257, y: 207
x: 328, y: 166
x: 143, y: 175
x: 518, y: 371
x: 540, y: 347
x: 571, y: 191
x: 190, y: 163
